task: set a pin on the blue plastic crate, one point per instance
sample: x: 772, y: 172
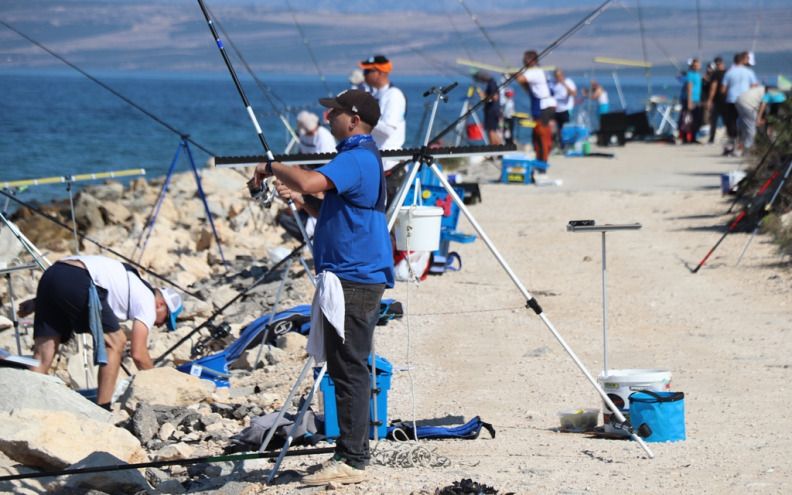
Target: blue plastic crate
x: 327, y: 387
x: 571, y: 134
x: 516, y: 169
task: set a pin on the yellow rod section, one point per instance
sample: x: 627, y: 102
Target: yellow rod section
x: 73, y: 178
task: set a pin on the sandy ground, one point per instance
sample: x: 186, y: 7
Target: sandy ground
x: 474, y: 350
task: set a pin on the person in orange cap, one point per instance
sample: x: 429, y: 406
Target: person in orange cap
x: 390, y: 132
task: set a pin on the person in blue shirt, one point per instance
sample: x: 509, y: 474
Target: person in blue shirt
x: 769, y: 106
x: 690, y: 117
x: 737, y: 80
x: 351, y: 246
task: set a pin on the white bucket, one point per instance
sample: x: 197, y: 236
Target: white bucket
x: 619, y: 384
x: 425, y: 231
x: 417, y: 227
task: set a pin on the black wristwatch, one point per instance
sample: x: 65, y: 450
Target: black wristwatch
x: 268, y: 168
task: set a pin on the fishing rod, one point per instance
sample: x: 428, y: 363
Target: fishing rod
x: 555, y: 44
x: 266, y: 90
x: 108, y: 88
x: 767, y: 209
x: 756, y: 204
x: 262, y: 277
x: 484, y: 32
x: 268, y: 195
x: 754, y: 172
x: 102, y: 246
x: 308, y: 47
x: 172, y: 462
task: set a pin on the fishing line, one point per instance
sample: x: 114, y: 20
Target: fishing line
x: 83, y: 236
x: 108, y: 88
x: 484, y: 32
x: 555, y: 44
x: 439, y: 65
x: 643, y: 46
x: 643, y: 33
x: 267, y: 91
x: 173, y: 462
x: 456, y: 31
x: 262, y: 277
x: 310, y: 52
x: 698, y: 26
x: 756, y: 26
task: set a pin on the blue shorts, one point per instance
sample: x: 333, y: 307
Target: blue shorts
x: 62, y: 303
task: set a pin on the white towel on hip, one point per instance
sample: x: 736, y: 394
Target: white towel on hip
x: 328, y: 300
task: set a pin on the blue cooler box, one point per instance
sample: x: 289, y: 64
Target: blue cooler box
x: 327, y: 387
x: 516, y: 169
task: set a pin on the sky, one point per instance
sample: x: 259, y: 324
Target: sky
x: 287, y: 37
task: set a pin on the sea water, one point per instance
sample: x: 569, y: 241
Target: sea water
x: 63, y: 123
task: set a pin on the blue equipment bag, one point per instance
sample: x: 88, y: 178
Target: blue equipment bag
x: 403, y: 430
x: 662, y: 412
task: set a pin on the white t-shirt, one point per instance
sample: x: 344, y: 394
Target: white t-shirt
x: 127, y: 296
x: 540, y: 89
x: 391, y: 129
x: 564, y: 101
x: 321, y: 141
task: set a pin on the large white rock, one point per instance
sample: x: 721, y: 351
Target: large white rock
x: 58, y: 439
x: 23, y: 389
x: 165, y: 386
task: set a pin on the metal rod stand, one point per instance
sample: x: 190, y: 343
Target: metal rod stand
x: 14, y: 318
x: 530, y: 300
x: 589, y: 226
x: 184, y: 144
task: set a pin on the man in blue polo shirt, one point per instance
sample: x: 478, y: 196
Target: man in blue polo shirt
x: 354, y: 263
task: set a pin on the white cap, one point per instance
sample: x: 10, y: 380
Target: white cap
x: 174, y: 302
x: 356, y: 77
x: 751, y: 59
x: 307, y: 121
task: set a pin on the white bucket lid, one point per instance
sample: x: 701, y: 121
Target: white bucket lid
x: 421, y: 211
x: 638, y: 375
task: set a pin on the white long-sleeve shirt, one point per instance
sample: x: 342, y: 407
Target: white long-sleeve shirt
x: 391, y: 130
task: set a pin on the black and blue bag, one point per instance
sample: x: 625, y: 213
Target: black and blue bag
x: 662, y: 412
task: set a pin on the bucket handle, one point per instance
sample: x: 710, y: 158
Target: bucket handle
x: 417, y: 197
x: 659, y: 398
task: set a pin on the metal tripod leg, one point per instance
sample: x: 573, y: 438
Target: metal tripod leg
x: 533, y: 304
x: 272, y: 313
x: 282, y: 411
x: 184, y: 144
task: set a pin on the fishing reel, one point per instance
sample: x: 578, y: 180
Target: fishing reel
x: 216, y: 332
x: 264, y: 194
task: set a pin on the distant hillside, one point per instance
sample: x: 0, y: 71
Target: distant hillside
x: 173, y: 36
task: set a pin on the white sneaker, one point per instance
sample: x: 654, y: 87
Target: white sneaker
x: 335, y: 471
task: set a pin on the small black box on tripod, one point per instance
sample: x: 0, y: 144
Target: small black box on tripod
x: 612, y: 129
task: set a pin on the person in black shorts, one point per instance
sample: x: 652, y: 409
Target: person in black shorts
x: 92, y: 294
